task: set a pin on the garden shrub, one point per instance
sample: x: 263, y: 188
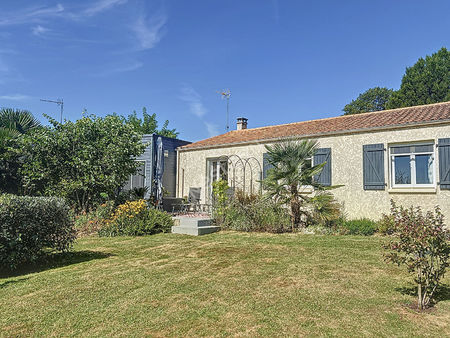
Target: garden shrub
x: 254, y: 213
x: 31, y: 225
x: 386, y: 225
x: 362, y: 226
x: 87, y: 223
x: 136, y: 218
x: 422, y: 245
x: 325, y: 210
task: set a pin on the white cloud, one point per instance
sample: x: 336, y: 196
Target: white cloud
x: 212, y: 129
x: 42, y: 13
x: 128, y: 67
x: 15, y: 97
x: 149, y: 32
x: 35, y: 14
x: 122, y: 68
x: 103, y: 5
x: 39, y: 30
x: 189, y: 95
x: 197, y: 108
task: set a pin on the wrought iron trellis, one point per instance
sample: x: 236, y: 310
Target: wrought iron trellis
x: 243, y: 173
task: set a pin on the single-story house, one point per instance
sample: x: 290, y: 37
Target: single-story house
x: 401, y: 154
x: 146, y: 173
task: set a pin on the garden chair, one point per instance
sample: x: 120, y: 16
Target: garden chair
x: 193, y: 202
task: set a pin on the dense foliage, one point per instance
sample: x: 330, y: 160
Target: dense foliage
x: 136, y: 218
x: 83, y: 161
x: 427, y: 81
x: 373, y: 99
x: 248, y: 212
x: 149, y: 125
x: 292, y: 171
x: 28, y: 225
x: 88, y: 223
x: 362, y: 226
x: 324, y: 210
x: 422, y: 244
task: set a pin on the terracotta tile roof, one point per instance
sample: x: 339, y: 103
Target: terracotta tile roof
x: 400, y: 117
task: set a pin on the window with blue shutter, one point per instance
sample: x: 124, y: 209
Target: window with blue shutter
x: 444, y: 163
x: 266, y: 165
x: 373, y: 167
x: 323, y: 155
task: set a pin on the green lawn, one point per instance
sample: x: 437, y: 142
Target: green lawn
x: 217, y: 285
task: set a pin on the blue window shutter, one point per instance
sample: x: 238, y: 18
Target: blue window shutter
x: 444, y: 163
x: 323, y: 155
x: 266, y: 165
x: 373, y: 167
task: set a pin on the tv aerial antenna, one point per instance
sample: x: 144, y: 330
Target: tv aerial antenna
x: 60, y: 103
x: 226, y: 94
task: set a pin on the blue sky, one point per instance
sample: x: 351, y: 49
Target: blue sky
x: 284, y: 61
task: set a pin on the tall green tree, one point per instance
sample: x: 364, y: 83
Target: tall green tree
x: 148, y: 124
x: 81, y: 161
x: 427, y: 81
x: 291, y: 171
x: 373, y: 99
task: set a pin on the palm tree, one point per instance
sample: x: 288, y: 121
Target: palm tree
x: 291, y: 171
x: 14, y: 122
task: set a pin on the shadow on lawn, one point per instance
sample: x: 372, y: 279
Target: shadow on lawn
x: 442, y: 293
x: 53, y: 261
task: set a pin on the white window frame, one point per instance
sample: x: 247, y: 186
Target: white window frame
x: 210, y: 162
x: 412, y: 163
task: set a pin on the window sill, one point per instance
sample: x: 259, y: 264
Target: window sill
x: 413, y: 190
x: 306, y: 190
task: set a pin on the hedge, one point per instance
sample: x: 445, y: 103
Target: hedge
x: 31, y: 225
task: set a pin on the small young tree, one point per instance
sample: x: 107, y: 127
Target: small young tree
x: 422, y: 245
x: 220, y: 199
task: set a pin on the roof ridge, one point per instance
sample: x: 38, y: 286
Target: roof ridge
x: 343, y: 116
x: 439, y: 111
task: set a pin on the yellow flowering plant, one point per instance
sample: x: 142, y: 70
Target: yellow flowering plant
x: 136, y: 218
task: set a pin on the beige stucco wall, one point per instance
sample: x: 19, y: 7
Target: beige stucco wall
x: 347, y: 170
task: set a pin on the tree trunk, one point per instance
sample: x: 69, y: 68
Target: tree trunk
x: 419, y: 289
x: 295, y: 206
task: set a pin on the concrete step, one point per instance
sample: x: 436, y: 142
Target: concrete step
x: 194, y: 231
x: 192, y: 221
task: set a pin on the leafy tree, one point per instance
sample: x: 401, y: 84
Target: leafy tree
x: 428, y: 81
x: 149, y: 125
x: 373, y: 99
x: 82, y: 161
x: 422, y: 245
x: 13, y: 123
x: 291, y: 171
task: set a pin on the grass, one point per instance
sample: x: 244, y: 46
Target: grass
x: 217, y: 285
